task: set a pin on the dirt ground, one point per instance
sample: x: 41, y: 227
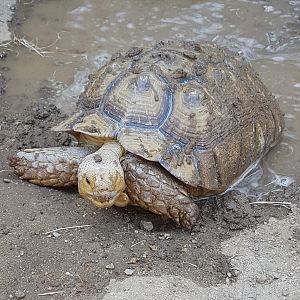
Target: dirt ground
x: 55, y: 245
x: 81, y: 262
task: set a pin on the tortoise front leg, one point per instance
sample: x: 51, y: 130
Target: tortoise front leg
x: 55, y: 167
x: 150, y: 186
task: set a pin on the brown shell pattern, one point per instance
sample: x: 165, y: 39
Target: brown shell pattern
x: 200, y: 110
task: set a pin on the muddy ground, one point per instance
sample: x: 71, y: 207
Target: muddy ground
x: 81, y: 262
x: 112, y: 255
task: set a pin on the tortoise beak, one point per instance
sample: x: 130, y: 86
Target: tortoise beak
x: 102, y: 201
x: 101, y: 198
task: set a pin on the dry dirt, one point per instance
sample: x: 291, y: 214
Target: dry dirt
x: 79, y: 263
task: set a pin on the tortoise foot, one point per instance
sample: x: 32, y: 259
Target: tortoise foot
x: 184, y: 212
x: 151, y: 187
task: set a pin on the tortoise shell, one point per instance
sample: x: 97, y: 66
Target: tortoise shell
x: 199, y: 110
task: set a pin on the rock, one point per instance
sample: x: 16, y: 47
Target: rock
x: 285, y: 292
x: 55, y: 234
x: 3, y: 55
x: 110, y: 266
x: 146, y: 225
x: 4, y: 229
x: 230, y: 204
x: 153, y: 247
x: 268, y: 8
x: 202, y: 229
x: 235, y: 272
x: 129, y: 272
x: 165, y: 236
x: 19, y: 294
x: 133, y: 260
x: 6, y: 180
x: 275, y: 275
x: 261, y: 279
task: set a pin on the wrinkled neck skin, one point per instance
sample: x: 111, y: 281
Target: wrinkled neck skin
x: 101, y: 177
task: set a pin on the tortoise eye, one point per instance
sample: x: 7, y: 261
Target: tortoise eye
x: 87, y: 181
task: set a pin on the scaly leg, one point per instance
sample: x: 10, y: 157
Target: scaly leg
x: 55, y: 167
x: 150, y: 186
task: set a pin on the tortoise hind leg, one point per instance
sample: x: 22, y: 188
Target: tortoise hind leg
x: 154, y: 189
x: 55, y: 167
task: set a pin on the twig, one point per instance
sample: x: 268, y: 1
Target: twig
x: 143, y: 241
x: 5, y: 171
x: 188, y: 263
x: 31, y: 45
x: 283, y: 204
x: 51, y: 293
x: 70, y: 227
x: 122, y: 232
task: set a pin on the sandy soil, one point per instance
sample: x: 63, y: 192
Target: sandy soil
x: 237, y: 251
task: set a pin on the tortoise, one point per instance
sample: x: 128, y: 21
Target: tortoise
x: 168, y: 124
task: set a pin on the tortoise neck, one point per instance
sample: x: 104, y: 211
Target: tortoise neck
x: 112, y: 146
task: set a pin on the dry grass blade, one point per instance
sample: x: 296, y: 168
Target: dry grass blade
x: 140, y: 242
x: 190, y: 264
x: 50, y: 293
x: 1, y: 171
x: 69, y: 227
x: 30, y: 45
x: 275, y: 203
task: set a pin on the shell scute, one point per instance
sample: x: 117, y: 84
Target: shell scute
x: 199, y: 110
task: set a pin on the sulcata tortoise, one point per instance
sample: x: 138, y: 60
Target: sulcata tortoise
x: 169, y: 124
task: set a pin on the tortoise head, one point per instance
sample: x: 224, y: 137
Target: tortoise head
x: 101, y: 177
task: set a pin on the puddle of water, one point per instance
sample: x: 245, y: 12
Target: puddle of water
x: 82, y: 34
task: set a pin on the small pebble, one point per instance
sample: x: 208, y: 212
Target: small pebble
x: 110, y: 266
x: 146, y: 225
x: 165, y: 236
x: 153, y: 247
x: 19, y: 294
x: 231, y: 205
x: 235, y: 272
x: 129, y: 272
x: 268, y: 8
x: 261, y: 279
x: 133, y: 260
x: 229, y: 274
x: 285, y: 292
x: 275, y: 275
x: 55, y: 234
x: 6, y: 180
x: 202, y: 229
x: 97, y: 158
